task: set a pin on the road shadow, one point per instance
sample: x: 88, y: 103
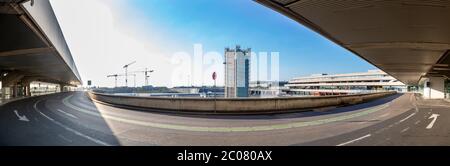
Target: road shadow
x: 51, y: 123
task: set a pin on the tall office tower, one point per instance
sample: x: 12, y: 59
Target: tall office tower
x: 237, y: 72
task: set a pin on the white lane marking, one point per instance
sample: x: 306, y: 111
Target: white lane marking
x: 68, y: 128
x: 434, y: 116
x: 404, y: 130
x: 64, y: 138
x: 384, y: 115
x: 407, y: 117
x: 21, y: 118
x: 82, y: 104
x: 226, y: 129
x: 357, y: 139
x: 65, y: 113
x: 436, y: 105
x: 417, y: 122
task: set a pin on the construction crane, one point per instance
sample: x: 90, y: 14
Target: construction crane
x: 126, y: 72
x: 146, y: 74
x: 115, y: 79
x: 121, y: 75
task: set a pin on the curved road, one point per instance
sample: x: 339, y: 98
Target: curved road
x: 72, y: 118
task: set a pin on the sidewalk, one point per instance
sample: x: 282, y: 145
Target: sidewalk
x: 3, y: 102
x: 432, y: 102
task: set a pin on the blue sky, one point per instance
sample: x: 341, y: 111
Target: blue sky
x: 152, y: 32
x: 218, y: 24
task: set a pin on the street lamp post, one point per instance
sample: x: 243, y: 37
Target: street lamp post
x: 214, y: 76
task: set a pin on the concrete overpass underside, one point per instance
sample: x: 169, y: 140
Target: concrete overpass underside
x: 32, y: 47
x: 409, y: 39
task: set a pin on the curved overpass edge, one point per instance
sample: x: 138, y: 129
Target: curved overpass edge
x: 233, y: 105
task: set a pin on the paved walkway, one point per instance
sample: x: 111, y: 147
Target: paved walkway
x: 4, y: 101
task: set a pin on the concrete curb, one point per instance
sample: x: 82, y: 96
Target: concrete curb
x: 4, y: 102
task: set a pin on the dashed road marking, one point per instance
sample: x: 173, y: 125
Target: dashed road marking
x: 68, y: 128
x: 384, y: 115
x: 404, y: 130
x: 64, y: 138
x: 67, y: 114
x: 404, y: 119
x: 357, y: 139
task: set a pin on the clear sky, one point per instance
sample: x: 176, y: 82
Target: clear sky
x: 104, y: 35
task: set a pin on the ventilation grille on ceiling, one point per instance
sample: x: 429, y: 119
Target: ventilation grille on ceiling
x: 330, y: 5
x: 342, y: 5
x: 427, y: 3
x: 287, y: 2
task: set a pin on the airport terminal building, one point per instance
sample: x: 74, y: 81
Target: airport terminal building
x: 350, y: 83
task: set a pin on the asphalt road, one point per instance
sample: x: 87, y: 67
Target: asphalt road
x: 72, y: 118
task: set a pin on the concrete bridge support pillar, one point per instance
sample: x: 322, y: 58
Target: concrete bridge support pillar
x: 434, y: 88
x: 14, y: 90
x: 5, y: 92
x: 61, y: 87
x: 9, y: 84
x: 28, y: 89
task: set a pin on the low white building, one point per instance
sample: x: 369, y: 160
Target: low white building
x: 267, y: 88
x: 186, y: 89
x: 350, y: 83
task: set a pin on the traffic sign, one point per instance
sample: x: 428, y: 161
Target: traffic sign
x: 214, y: 76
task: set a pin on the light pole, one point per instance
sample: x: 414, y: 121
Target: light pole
x: 214, y: 76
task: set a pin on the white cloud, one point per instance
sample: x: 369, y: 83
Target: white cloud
x: 101, y: 42
x: 104, y: 35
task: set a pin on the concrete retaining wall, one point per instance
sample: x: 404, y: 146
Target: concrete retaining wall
x: 236, y: 105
